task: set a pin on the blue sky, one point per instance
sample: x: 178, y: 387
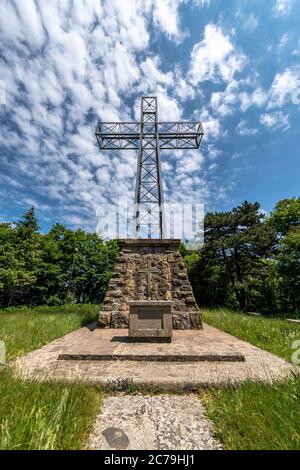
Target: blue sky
x: 234, y: 65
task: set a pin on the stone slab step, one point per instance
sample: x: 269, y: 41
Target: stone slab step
x: 115, y: 345
x: 234, y: 357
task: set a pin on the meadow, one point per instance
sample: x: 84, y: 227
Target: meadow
x: 60, y: 416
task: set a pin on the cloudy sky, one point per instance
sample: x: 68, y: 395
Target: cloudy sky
x: 234, y: 65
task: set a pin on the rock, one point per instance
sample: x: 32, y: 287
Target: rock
x: 104, y: 319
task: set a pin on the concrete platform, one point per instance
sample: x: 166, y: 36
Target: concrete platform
x: 116, y: 345
x: 118, y: 374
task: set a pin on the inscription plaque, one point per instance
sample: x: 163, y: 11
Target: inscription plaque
x: 150, y: 319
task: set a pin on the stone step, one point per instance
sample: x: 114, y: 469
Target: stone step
x: 231, y: 357
x: 187, y: 346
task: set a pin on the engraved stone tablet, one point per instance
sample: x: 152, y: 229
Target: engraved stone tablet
x: 150, y: 319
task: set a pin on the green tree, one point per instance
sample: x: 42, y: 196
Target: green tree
x: 19, y: 255
x: 235, y: 244
x: 14, y: 276
x: 289, y: 270
x: 285, y: 218
x: 75, y: 266
x: 285, y: 215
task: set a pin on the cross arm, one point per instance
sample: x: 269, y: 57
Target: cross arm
x: 126, y: 135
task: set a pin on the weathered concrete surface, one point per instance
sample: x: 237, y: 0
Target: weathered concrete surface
x: 42, y: 364
x: 165, y: 422
x: 186, y: 346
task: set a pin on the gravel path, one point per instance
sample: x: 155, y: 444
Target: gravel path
x: 144, y: 422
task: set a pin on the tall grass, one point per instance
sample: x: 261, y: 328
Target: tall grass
x: 24, y: 329
x: 254, y: 416
x: 272, y: 334
x: 45, y: 416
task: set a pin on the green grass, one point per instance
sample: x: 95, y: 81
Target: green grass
x: 24, y: 329
x: 37, y: 416
x: 43, y: 415
x: 272, y: 334
x: 59, y: 416
x: 254, y: 416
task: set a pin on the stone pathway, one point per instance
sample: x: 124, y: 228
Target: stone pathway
x: 145, y: 422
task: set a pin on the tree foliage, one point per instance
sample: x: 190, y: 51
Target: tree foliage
x: 250, y: 263
x: 53, y: 268
x: 285, y: 215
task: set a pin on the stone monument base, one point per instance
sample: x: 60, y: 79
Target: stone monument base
x: 149, y: 269
x: 150, y: 320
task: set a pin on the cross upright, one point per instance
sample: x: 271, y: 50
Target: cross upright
x: 149, y: 137
x: 149, y: 273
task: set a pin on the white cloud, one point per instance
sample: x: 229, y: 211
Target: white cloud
x: 251, y: 22
x: 282, y: 8
x: 283, y: 87
x: 165, y: 15
x: 168, y: 108
x: 152, y: 76
x: 275, y: 120
x: 212, y: 167
x: 283, y: 41
x: 248, y: 22
x: 91, y: 59
x: 222, y: 102
x: 184, y: 89
x: 257, y: 98
x: 215, y: 57
x: 225, y: 103
x: 212, y: 152
x: 212, y: 126
x: 244, y: 129
x: 22, y: 19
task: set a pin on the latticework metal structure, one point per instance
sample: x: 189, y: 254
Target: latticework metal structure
x: 148, y: 137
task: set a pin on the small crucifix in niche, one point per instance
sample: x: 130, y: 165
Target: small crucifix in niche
x: 149, y: 271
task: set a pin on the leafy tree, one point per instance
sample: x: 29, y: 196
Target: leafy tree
x: 235, y: 243
x: 285, y: 218
x: 289, y: 271
x: 285, y: 215
x: 29, y: 221
x: 53, y: 268
x: 13, y: 274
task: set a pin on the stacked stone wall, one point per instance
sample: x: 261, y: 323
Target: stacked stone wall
x: 169, y: 281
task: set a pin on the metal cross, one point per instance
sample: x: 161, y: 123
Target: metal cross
x: 149, y: 137
x: 149, y: 272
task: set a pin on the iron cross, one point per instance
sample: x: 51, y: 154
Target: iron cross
x: 149, y: 137
x: 149, y: 272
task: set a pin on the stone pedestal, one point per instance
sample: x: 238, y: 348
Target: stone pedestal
x: 169, y: 282
x: 150, y: 320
